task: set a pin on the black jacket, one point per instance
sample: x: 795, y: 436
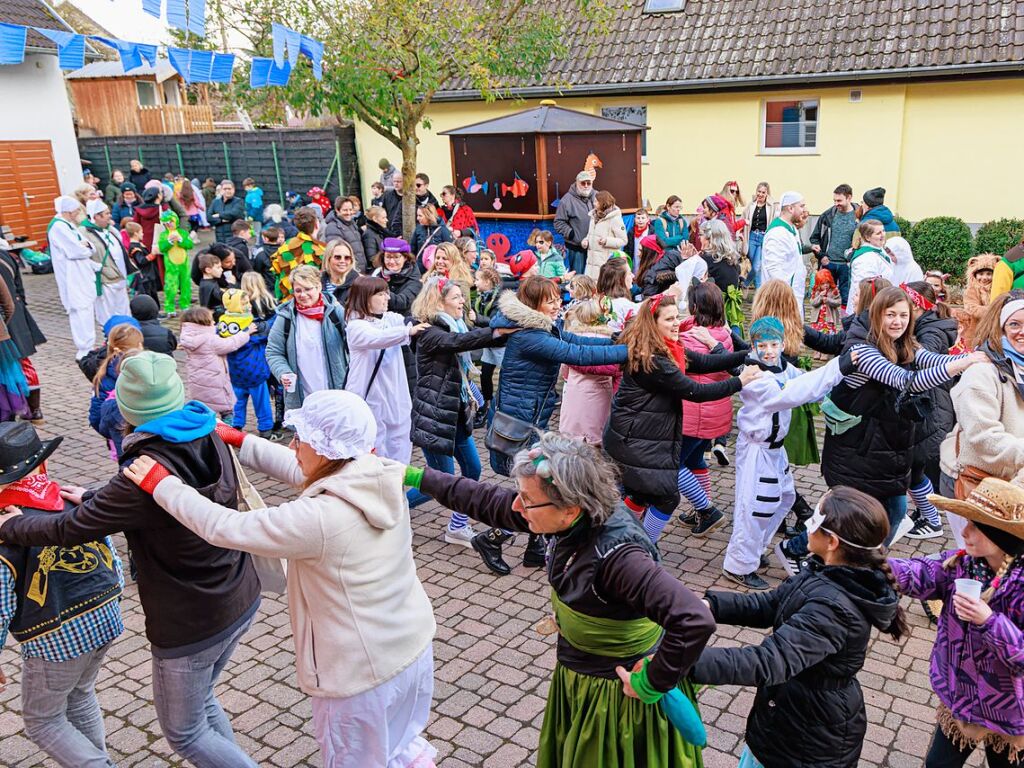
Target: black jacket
x: 936, y: 335
x: 139, y: 178
x: 661, y: 274
x: 241, y: 248
x: 22, y: 326
x: 191, y: 591
x: 809, y: 710
x: 437, y: 404
x: 334, y: 228
x: 155, y: 337
x: 261, y: 256
x: 393, y: 208
x: 223, y: 213
x: 404, y: 287
x: 423, y: 236
x: 644, y: 431
x: 373, y: 241
x: 722, y: 273
x: 607, y: 571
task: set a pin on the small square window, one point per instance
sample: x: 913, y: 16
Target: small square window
x: 635, y: 114
x: 789, y: 127
x: 146, y: 92
x: 662, y: 6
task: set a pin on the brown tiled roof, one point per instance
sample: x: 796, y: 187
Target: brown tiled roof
x: 544, y: 119
x: 34, y: 13
x: 744, y: 43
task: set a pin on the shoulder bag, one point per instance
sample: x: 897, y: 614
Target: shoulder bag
x: 272, y: 571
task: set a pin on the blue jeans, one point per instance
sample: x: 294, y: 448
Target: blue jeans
x: 691, y: 453
x: 260, y: 404
x: 465, y: 454
x: 576, y: 261
x: 895, y: 509
x: 754, y: 254
x: 841, y: 272
x: 61, y: 713
x: 190, y: 715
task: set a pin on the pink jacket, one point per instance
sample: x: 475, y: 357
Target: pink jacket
x: 587, y: 397
x: 714, y: 418
x: 206, y: 368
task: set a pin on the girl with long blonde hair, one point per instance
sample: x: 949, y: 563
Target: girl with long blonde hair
x: 776, y: 299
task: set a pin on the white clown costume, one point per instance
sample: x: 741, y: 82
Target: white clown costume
x: 75, y: 272
x: 112, y: 287
x: 764, y: 483
x: 376, y: 372
x: 782, y: 253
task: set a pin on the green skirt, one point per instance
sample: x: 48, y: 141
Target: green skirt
x: 590, y: 723
x: 801, y: 443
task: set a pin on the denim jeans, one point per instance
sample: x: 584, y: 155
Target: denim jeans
x: 754, y: 254
x: 190, y: 715
x: 895, y: 509
x: 691, y: 452
x: 61, y: 713
x: 841, y: 272
x: 465, y: 454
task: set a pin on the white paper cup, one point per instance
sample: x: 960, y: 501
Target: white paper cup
x: 969, y: 588
x: 289, y: 381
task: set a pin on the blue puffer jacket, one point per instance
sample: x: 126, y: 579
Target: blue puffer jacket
x: 106, y: 384
x: 248, y: 366
x: 533, y: 356
x: 882, y: 214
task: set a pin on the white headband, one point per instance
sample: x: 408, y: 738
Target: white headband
x: 815, y: 522
x: 1008, y: 309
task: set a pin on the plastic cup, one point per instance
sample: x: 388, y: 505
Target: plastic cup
x: 969, y: 588
x: 290, y: 382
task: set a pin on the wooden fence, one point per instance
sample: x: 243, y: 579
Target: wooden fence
x: 191, y: 118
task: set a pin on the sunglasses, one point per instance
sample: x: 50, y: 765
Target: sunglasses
x: 585, y: 183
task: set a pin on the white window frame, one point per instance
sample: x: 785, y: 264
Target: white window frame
x: 152, y: 87
x: 676, y: 6
x: 764, y: 150
x: 643, y: 134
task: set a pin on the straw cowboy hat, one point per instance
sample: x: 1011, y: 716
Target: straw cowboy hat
x: 994, y: 503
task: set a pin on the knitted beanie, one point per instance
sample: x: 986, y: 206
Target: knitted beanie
x: 767, y: 329
x: 148, y: 387
x: 875, y: 197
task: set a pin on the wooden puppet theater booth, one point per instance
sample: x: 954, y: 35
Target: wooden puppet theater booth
x: 513, y: 170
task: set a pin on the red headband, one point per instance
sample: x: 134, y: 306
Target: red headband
x: 656, y: 302
x: 916, y: 298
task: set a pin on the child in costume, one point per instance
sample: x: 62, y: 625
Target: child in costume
x: 809, y: 708
x: 304, y: 248
x: 764, y: 483
x: 253, y: 203
x: 147, y: 279
x: 61, y: 604
x: 588, y: 391
x: 825, y: 295
x: 174, y: 243
x: 552, y: 263
x: 977, y: 295
x: 977, y: 664
x: 247, y: 365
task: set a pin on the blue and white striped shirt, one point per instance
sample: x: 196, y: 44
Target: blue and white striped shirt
x: 873, y: 365
x: 74, y: 637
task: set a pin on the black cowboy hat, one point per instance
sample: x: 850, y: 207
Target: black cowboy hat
x: 21, y: 450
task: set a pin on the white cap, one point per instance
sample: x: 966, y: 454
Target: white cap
x: 65, y: 204
x: 95, y: 206
x: 790, y: 198
x: 335, y: 423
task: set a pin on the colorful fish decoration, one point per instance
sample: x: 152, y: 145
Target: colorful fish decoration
x: 470, y: 184
x: 518, y: 188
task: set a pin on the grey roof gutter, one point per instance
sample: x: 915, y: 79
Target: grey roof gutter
x: 739, y: 83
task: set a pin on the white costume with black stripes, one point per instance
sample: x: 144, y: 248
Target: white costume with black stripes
x: 764, y: 484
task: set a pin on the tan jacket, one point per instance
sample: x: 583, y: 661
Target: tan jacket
x: 990, y: 424
x: 612, y: 229
x: 359, y: 614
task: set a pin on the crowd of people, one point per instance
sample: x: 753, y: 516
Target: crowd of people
x: 356, y: 345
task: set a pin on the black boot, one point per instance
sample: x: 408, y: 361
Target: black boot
x: 536, y: 551
x: 803, y: 512
x: 480, y: 420
x: 36, y: 413
x: 488, y: 546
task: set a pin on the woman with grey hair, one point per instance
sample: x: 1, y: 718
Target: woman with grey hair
x: 614, y: 605
x: 719, y: 252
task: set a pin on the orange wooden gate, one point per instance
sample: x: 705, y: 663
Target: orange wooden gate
x: 28, y: 185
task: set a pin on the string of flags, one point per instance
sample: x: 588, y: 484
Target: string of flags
x: 194, y: 66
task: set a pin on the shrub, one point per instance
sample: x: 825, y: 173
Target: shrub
x: 943, y: 242
x: 904, y: 225
x: 999, y: 236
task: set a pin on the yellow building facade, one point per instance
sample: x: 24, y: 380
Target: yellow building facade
x: 938, y: 147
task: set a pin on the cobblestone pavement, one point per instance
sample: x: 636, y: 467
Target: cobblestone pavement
x: 492, y: 667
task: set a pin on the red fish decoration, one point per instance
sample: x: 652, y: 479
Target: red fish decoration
x: 518, y: 188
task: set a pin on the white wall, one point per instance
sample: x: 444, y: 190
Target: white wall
x: 36, y: 108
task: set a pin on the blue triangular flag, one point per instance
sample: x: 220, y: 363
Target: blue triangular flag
x: 278, y: 40
x: 265, y: 72
x: 146, y: 51
x: 314, y: 50
x: 193, y: 66
x: 223, y: 64
x: 152, y: 7
x: 12, y: 43
x: 70, y: 47
x: 294, y: 41
x: 129, y: 52
x: 197, y: 17
x: 176, y: 16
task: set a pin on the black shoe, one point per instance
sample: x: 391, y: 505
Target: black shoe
x: 748, y: 580
x: 803, y: 512
x: 764, y: 563
x: 708, y: 520
x: 691, y: 518
x: 924, y: 530
x: 36, y: 417
x: 536, y: 552
x: 480, y: 420
x: 267, y: 434
x: 488, y: 546
x: 791, y: 564
x: 720, y: 455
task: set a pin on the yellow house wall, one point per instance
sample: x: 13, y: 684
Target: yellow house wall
x: 937, y: 148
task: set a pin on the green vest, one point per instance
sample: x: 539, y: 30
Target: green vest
x: 1017, y: 269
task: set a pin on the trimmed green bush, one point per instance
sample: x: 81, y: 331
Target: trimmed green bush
x: 999, y: 236
x: 942, y: 242
x: 904, y: 225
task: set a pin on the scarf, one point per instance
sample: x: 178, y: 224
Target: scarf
x: 315, y: 312
x: 637, y: 232
x: 458, y: 325
x: 35, y: 491
x: 192, y: 422
x: 678, y: 352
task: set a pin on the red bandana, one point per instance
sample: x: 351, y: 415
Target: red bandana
x: 678, y: 351
x: 315, y: 312
x: 35, y: 491
x: 918, y: 299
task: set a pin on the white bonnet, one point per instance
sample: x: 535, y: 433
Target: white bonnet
x: 335, y: 423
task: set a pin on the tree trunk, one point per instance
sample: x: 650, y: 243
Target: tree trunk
x: 409, y: 142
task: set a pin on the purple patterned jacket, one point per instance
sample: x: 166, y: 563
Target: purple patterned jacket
x: 978, y: 672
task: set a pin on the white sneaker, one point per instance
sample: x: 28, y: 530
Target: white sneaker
x: 905, y: 526
x: 461, y: 536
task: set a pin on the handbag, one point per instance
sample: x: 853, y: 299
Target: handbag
x: 272, y: 571
x: 968, y: 478
x: 509, y: 435
x: 913, y: 406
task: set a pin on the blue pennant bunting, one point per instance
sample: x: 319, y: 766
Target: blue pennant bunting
x: 223, y: 64
x: 193, y: 66
x: 314, y: 50
x: 176, y: 15
x: 278, y: 34
x: 284, y: 39
x: 131, y: 54
x: 197, y: 17
x: 12, y: 43
x: 152, y: 7
x: 70, y: 47
x: 265, y: 72
x: 147, y: 52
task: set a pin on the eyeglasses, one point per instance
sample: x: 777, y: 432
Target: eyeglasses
x: 419, y: 185
x: 585, y: 183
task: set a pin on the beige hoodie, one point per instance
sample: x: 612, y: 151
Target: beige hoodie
x: 358, y: 611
